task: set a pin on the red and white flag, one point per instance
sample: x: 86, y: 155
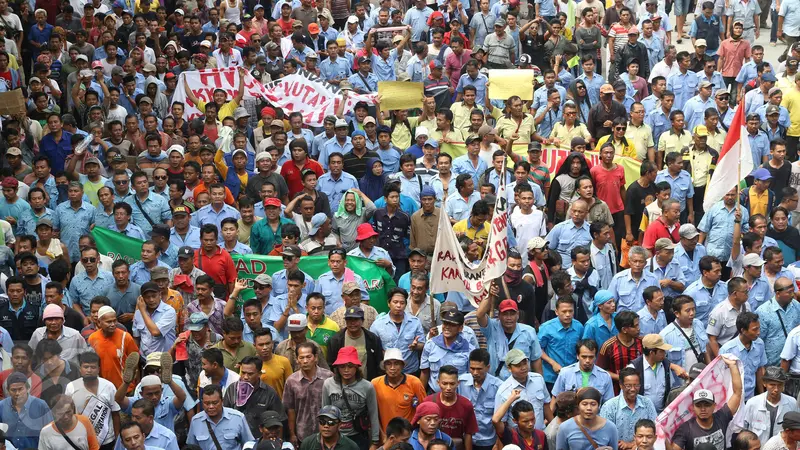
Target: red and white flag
x: 735, y: 161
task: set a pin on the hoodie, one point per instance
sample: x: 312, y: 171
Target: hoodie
x: 160, y: 102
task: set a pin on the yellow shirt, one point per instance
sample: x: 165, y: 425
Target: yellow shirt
x: 454, y: 135
x: 507, y: 126
x: 620, y: 148
x: 226, y: 110
x: 700, y: 163
x: 275, y: 372
x: 791, y: 100
x: 479, y: 234
x: 565, y: 134
x: 671, y: 142
x: 785, y: 83
x: 461, y: 114
x: 715, y: 140
x: 401, y: 136
x: 759, y: 202
x: 641, y: 138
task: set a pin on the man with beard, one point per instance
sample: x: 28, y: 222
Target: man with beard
x: 112, y: 344
x: 251, y: 396
x: 89, y: 387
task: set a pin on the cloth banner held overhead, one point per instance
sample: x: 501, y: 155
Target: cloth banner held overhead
x: 450, y: 269
x: 716, y: 377
x: 119, y: 246
x: 302, y: 92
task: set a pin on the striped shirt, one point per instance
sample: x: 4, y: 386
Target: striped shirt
x: 614, y: 356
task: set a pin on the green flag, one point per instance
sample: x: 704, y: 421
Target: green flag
x: 378, y: 281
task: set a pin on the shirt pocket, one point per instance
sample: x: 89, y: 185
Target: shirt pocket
x: 624, y: 291
x: 675, y: 355
x: 692, y: 85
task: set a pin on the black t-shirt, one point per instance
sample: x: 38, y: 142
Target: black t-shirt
x: 528, y: 302
x: 33, y: 293
x: 634, y: 203
x: 780, y: 178
x: 690, y: 434
x: 192, y: 42
x: 356, y: 166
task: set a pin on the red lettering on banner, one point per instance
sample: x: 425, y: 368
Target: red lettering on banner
x: 210, y: 78
x: 450, y: 273
x: 445, y: 256
x: 308, y: 90
x: 230, y: 77
x: 500, y: 222
x: 297, y: 89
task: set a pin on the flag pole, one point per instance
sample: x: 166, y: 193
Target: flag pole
x: 738, y: 178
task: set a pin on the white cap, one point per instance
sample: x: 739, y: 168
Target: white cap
x: 237, y: 151
x: 421, y: 131
x: 297, y: 322
x: 340, y: 123
x: 703, y: 395
x: 150, y: 380
x: 264, y: 155
x: 105, y: 310
x: 179, y: 11
x: 205, y: 43
x: 752, y: 259
x: 392, y: 354
x: 352, y: 19
x: 688, y: 231
x: 176, y: 148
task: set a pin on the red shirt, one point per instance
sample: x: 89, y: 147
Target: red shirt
x: 286, y: 26
x: 219, y: 266
x: 291, y: 173
x: 607, y: 184
x: 657, y: 230
x: 457, y: 420
x: 35, y: 382
x: 614, y: 356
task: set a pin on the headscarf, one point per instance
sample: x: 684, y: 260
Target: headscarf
x: 601, y: 297
x: 370, y: 184
x: 579, y: 101
x: 341, y: 212
x: 566, y: 166
x: 589, y: 393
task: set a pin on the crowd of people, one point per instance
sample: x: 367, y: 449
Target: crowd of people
x: 618, y: 292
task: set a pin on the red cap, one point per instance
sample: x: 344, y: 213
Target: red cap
x: 272, y: 201
x: 365, y: 231
x: 267, y: 111
x: 313, y: 28
x: 347, y: 355
x: 97, y: 65
x: 169, y: 75
x: 508, y: 305
x: 10, y: 182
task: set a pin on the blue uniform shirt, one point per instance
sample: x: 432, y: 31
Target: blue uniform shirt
x: 482, y: 400
x: 680, y: 346
x: 628, y: 291
x: 534, y: 390
x: 192, y: 238
x: 83, y: 289
x: 335, y: 188
x: 717, y: 224
x: 597, y: 329
x: 618, y: 412
x: 775, y: 331
x: 523, y: 338
x: 683, y: 86
x: 73, y: 224
x: 463, y: 164
x: 565, y: 236
x: 331, y: 289
x: 559, y: 344
x: 164, y: 316
x: 392, y: 337
x: 436, y: 354
x: 232, y: 431
x: 649, y: 325
x: 681, y: 186
x: 689, y: 265
x: 571, y: 379
x: 672, y: 271
x: 753, y: 359
x: 706, y: 299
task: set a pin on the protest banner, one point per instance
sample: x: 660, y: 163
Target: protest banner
x: 12, y: 103
x: 551, y: 155
x: 301, y: 92
x: 716, y: 377
x: 400, y: 95
x: 119, y: 246
x: 505, y: 83
x: 450, y: 268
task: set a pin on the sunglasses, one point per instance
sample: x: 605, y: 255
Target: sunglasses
x: 88, y: 260
x: 121, y: 182
x: 620, y: 128
x: 288, y: 258
x: 328, y: 422
x: 162, y: 177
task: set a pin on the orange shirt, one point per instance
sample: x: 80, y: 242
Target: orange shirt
x: 175, y: 299
x: 113, y: 351
x: 400, y: 401
x: 201, y: 187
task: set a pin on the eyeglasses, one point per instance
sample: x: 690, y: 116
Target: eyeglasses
x: 161, y: 177
x: 569, y: 113
x: 120, y: 182
x: 581, y: 87
x: 783, y: 289
x: 288, y: 258
x: 328, y: 422
x: 90, y: 259
x: 632, y: 386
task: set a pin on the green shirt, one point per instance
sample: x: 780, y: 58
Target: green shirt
x: 313, y: 442
x: 322, y: 334
x: 232, y: 360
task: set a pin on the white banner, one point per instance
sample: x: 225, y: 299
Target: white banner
x: 716, y: 377
x: 450, y: 269
x: 99, y: 413
x: 303, y: 92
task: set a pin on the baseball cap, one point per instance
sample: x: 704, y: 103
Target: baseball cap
x: 701, y: 130
x: 291, y: 250
x: 273, y: 202
x: 352, y: 19
x: 762, y: 174
x: 197, y: 321
x: 313, y: 28
x: 317, y: 220
x: 536, y: 243
x: 752, y: 259
x: 688, y: 231
x: 263, y: 279
x: 633, y: 30
x: 354, y: 312
x: 180, y: 209
x: 350, y: 286
x: 768, y: 77
x: 606, y: 89
x: 456, y: 317
x: 149, y: 68
x: 148, y: 287
x: 664, y: 244
x: 153, y: 359
x: 330, y: 412
x: 45, y: 222
x: 704, y: 84
x: 702, y: 395
x: 514, y: 357
x: 14, y: 151
x: 270, y: 419
x: 145, y: 99
x: 296, y: 322
x: 340, y: 123
x: 436, y: 64
x: 508, y: 305
x: 97, y: 65
x: 418, y: 251
x: 696, y: 370
x: 700, y: 43
x: 185, y: 251
x: 84, y: 58
x: 205, y: 43
x: 772, y: 109
x: 159, y: 273
x: 432, y: 143
x: 500, y: 23
x: 655, y: 341
x: 175, y: 148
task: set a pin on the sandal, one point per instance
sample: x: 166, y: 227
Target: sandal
x: 131, y: 364
x: 166, y: 368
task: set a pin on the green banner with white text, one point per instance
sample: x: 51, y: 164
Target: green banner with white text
x: 379, y: 282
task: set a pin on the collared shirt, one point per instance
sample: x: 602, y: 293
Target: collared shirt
x: 597, y: 329
x: 592, y: 86
x: 759, y: 146
x: 71, y: 341
x: 140, y: 274
x: 620, y: 413
x: 776, y: 323
x: 534, y: 390
x: 83, y: 289
x: 540, y: 96
x: 279, y: 281
x: 571, y: 379
x: 393, y: 337
x: 672, y: 272
x: 463, y: 164
x: 458, y: 208
x: 523, y: 338
x: 131, y: 230
x: 604, y: 264
x: 717, y: 224
x: 695, y: 109
x: 479, y: 82
x: 760, y: 293
x: 682, y: 349
x: 690, y: 265
x: 722, y: 321
x: 191, y: 239
x: 331, y: 289
x: 164, y: 317
x: 424, y: 313
x: 333, y: 145
x: 375, y: 254
x: 650, y: 325
x: 24, y: 426
x: 753, y: 100
x: 482, y: 399
x: 655, y: 383
x: 559, y: 344
x: 658, y: 121
x: 73, y: 224
x: 207, y: 214
x: 594, y: 280
x: 683, y: 86
x: 438, y: 186
x: 743, y: 11
x: 628, y: 291
x: 681, y: 186
x: 232, y: 431
x: 565, y: 236
x: 715, y: 79
x: 364, y: 84
x: 755, y: 417
x: 705, y: 299
x: 790, y: 11
x: 154, y: 206
x: 160, y: 437
x: 753, y: 359
x: 336, y: 188
x: 670, y: 141
x: 332, y: 70
x: 435, y: 355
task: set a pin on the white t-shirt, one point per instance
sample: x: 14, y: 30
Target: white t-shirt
x: 526, y: 227
x: 105, y: 393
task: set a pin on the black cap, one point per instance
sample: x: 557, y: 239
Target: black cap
x: 456, y: 317
x: 354, y: 312
x: 160, y: 229
x: 292, y: 250
x: 270, y: 419
x: 417, y: 251
x: 186, y: 252
x: 471, y: 139
x: 150, y: 286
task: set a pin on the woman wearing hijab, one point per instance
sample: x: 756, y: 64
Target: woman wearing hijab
x: 374, y: 179
x: 354, y: 209
x: 562, y: 189
x: 578, y: 93
x: 587, y: 429
x: 787, y: 236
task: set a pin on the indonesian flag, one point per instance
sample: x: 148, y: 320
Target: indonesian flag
x: 735, y: 161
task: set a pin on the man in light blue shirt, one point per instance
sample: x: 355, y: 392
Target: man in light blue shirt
x: 339, y: 143
x: 91, y: 283
x: 330, y: 283
x: 628, y: 286
x: 688, y: 253
x: 364, y: 81
x: 684, y: 83
x: 592, y: 80
x: 401, y: 330
x: 708, y: 291
x: 228, y: 424
x: 778, y: 317
x: 470, y: 163
x: 790, y: 11
x: 666, y: 268
x: 459, y: 203
x: 474, y: 78
x: 688, y: 347
x: 153, y: 321
x: 584, y: 373
x: 183, y: 233
x: 695, y: 108
x: 335, y: 68
x: 449, y: 347
x: 578, y: 273
x: 216, y: 211
x: 759, y: 142
x: 619, y: 411
x: 417, y: 17
x: 571, y: 233
x: 336, y: 182
x: 558, y: 337
x: 680, y: 182
x: 601, y: 327
x: 531, y: 386
x: 749, y: 348
x: 651, y: 317
x: 480, y: 388
x: 73, y: 219
x: 504, y: 334
x: 716, y: 227
x: 148, y: 208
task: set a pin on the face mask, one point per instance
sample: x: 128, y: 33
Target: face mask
x: 89, y: 378
x: 243, y: 392
x: 513, y: 276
